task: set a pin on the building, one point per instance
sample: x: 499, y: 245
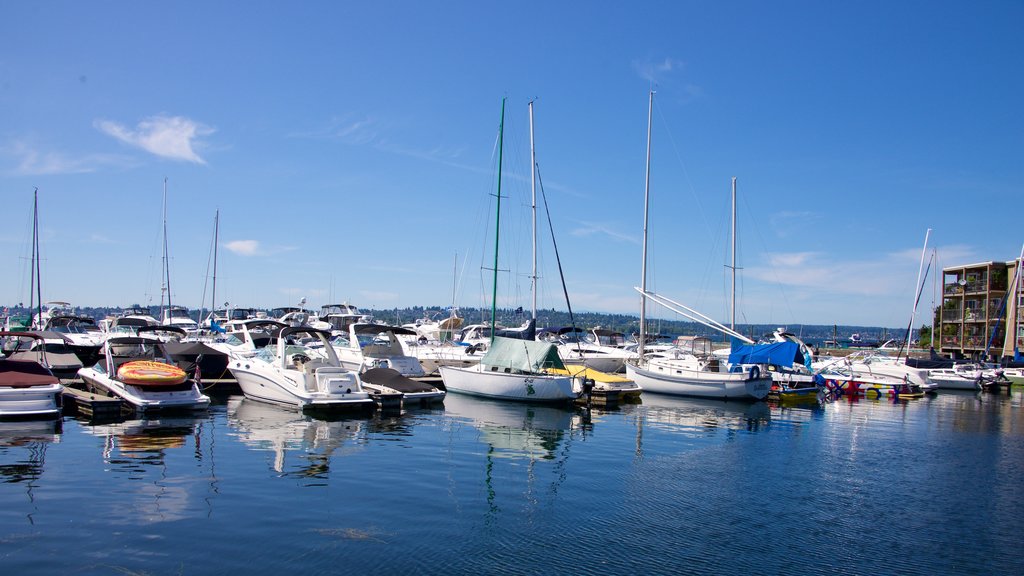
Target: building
x: 978, y: 317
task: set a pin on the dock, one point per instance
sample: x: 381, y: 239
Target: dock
x: 92, y: 406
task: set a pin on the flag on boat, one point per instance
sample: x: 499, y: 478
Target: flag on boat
x: 214, y: 326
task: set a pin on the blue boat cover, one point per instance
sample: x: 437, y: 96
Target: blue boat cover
x: 778, y: 353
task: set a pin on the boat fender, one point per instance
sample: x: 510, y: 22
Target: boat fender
x: 755, y: 372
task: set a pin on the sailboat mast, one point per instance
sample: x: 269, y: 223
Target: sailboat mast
x: 167, y: 267
x: 917, y: 295
x: 497, y: 225
x: 533, y: 207
x: 35, y: 287
x: 935, y: 291
x: 643, y: 265
x: 1015, y: 325
x: 732, y: 321
x: 216, y: 235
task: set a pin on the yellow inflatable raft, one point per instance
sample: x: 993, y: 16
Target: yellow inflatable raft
x: 149, y: 373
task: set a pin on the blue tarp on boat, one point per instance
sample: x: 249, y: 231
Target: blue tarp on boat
x: 778, y: 353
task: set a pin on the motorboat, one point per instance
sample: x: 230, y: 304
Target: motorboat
x: 389, y: 382
x: 433, y: 355
x: 576, y: 349
x: 300, y: 368
x: 841, y: 377
x: 28, y: 389
x: 243, y: 338
x: 80, y: 333
x: 367, y: 345
x: 179, y: 317
x: 514, y: 369
x: 140, y: 371
x: 128, y: 321
x: 48, y: 348
x: 958, y: 377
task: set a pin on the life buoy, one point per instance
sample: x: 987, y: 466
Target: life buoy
x: 149, y: 373
x: 755, y: 372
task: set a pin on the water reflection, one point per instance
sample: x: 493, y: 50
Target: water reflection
x: 513, y: 434
x: 263, y: 426
x: 23, y: 446
x: 699, y: 415
x: 514, y: 429
x: 131, y: 444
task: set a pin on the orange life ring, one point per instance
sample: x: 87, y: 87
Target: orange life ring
x: 149, y: 373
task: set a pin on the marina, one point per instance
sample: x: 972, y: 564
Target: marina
x: 665, y: 486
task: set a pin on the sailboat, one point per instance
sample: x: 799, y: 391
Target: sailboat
x: 511, y: 369
x: 682, y: 373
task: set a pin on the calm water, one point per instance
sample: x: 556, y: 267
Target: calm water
x: 673, y: 486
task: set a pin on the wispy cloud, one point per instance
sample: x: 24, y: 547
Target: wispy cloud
x: 887, y: 274
x: 596, y: 228
x: 371, y: 132
x: 172, y: 137
x: 243, y: 247
x: 255, y: 248
x: 29, y: 160
x: 655, y: 71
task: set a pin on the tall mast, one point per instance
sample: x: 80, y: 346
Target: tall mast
x: 35, y: 286
x: 935, y: 291
x: 533, y: 206
x: 166, y: 267
x: 732, y: 321
x: 497, y: 225
x: 216, y: 234
x: 643, y: 266
x: 917, y: 294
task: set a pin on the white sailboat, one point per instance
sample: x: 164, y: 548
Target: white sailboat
x: 683, y: 373
x: 511, y: 369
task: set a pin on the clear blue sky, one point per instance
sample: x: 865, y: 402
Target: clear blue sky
x: 350, y: 149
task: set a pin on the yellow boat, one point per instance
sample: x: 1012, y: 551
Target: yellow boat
x: 603, y: 381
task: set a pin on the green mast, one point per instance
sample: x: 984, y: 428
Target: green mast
x: 497, y: 225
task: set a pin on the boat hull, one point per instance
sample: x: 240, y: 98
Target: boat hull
x: 30, y: 402
x: 147, y: 398
x: 267, y: 383
x: 478, y: 381
x: 674, y: 381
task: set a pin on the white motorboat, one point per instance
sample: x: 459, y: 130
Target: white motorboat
x: 841, y: 377
x: 243, y: 338
x: 139, y: 370
x: 433, y: 355
x: 959, y: 377
x: 514, y: 370
x: 576, y: 350
x: 179, y: 317
x: 364, y: 346
x: 28, y: 390
x: 300, y: 369
x: 878, y: 362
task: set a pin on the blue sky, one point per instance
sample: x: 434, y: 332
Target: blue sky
x: 350, y: 150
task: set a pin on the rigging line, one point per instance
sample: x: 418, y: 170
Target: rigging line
x: 775, y: 275
x: 686, y: 173
x: 558, y: 259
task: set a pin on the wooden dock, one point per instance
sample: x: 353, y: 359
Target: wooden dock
x: 91, y: 405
